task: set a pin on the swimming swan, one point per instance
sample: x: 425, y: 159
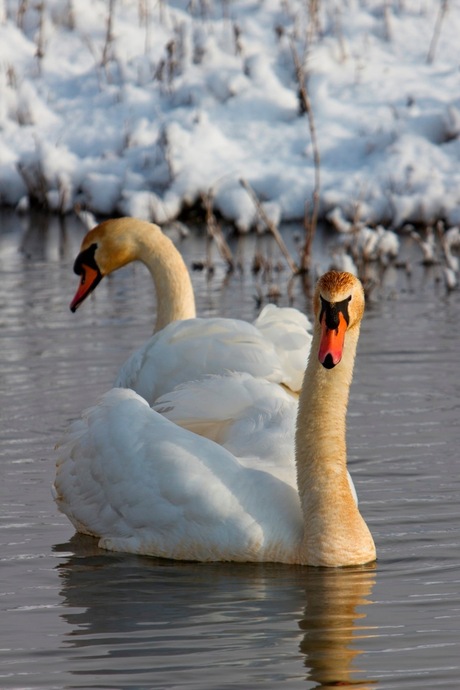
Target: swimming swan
x: 184, y: 347
x: 142, y: 484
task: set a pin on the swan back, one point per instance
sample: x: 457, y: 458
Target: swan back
x: 274, y: 348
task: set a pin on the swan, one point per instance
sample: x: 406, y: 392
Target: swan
x: 183, y: 346
x: 141, y: 483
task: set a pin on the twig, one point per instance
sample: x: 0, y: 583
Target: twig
x: 314, y: 27
x: 40, y: 51
x: 387, y: 20
x: 310, y: 221
x: 271, y: 226
x: 36, y: 183
x: 338, y: 30
x: 22, y: 9
x: 144, y: 20
x: 215, y: 232
x: 108, y: 35
x: 443, y: 7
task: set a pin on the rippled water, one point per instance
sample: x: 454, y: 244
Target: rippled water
x: 73, y: 616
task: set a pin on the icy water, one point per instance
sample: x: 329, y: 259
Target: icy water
x: 73, y: 616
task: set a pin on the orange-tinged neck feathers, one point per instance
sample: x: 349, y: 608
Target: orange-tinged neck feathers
x: 335, y: 532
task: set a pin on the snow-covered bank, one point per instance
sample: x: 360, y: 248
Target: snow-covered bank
x: 139, y: 106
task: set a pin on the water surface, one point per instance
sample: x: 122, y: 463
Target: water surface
x: 73, y: 616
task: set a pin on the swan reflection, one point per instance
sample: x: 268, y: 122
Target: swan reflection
x: 334, y: 627
x: 157, y: 619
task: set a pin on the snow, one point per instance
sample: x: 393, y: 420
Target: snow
x: 139, y: 107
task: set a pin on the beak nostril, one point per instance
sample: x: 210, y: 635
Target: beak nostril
x: 328, y: 362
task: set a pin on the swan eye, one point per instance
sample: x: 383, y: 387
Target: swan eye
x: 86, y: 257
x: 331, y: 310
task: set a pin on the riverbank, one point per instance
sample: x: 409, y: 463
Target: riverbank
x: 143, y: 108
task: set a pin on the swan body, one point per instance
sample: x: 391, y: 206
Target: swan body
x: 193, y: 501
x: 254, y: 420
x: 141, y: 483
x: 184, y: 350
x: 184, y: 347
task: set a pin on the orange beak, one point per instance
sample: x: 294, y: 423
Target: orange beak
x: 90, y: 278
x: 331, y: 345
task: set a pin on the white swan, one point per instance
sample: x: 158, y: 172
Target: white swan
x: 254, y: 419
x: 142, y: 484
x: 185, y: 347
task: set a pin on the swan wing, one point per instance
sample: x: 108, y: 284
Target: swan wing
x: 252, y: 418
x: 289, y: 331
x: 140, y: 483
x: 185, y: 350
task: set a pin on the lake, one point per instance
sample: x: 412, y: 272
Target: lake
x: 74, y: 616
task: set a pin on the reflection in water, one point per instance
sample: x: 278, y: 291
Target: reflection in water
x: 333, y: 625
x: 38, y: 237
x: 130, y: 614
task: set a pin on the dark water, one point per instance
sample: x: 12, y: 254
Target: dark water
x: 76, y: 617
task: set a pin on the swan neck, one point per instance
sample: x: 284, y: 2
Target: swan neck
x: 335, y: 532
x: 321, y: 420
x: 173, y: 286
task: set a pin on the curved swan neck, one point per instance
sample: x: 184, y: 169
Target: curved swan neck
x: 175, y: 298
x: 146, y: 242
x: 335, y: 533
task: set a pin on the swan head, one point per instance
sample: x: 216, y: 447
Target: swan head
x: 104, y: 249
x: 338, y: 307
